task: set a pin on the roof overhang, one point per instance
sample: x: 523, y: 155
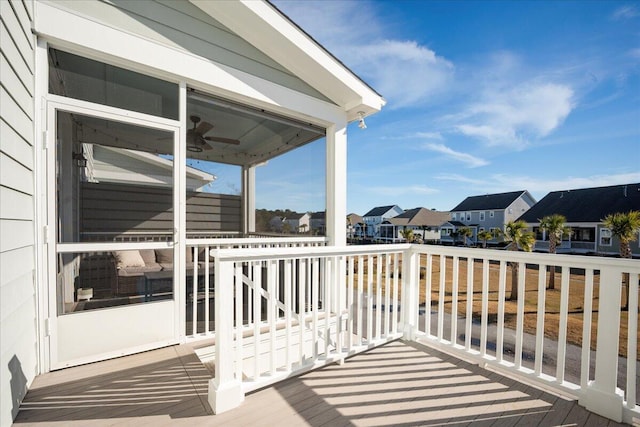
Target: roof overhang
x: 270, y: 31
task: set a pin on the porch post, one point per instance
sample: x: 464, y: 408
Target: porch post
x: 410, y: 281
x: 225, y: 390
x: 336, y: 186
x: 602, y: 396
x: 248, y: 199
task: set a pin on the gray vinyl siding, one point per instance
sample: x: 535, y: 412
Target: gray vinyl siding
x: 121, y: 208
x: 18, y: 343
x: 180, y: 24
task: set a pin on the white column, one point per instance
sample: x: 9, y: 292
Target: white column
x: 248, y: 199
x: 336, y: 185
x: 225, y: 390
x: 409, y: 306
x: 602, y: 396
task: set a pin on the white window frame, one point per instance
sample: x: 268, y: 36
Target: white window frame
x: 468, y: 216
x: 603, y: 235
x: 454, y: 215
x: 482, y: 216
x: 491, y: 214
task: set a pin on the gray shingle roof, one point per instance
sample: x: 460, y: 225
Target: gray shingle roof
x: 379, y: 211
x: 488, y: 201
x: 586, y: 204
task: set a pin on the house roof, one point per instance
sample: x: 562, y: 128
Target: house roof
x: 380, y: 210
x: 354, y: 218
x: 269, y: 30
x: 489, y: 201
x: 420, y: 217
x: 318, y: 215
x: 295, y: 216
x: 586, y: 204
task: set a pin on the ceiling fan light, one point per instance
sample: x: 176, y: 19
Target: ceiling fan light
x: 194, y: 148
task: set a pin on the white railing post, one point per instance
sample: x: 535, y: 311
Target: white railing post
x: 602, y: 396
x: 225, y: 390
x: 410, y: 294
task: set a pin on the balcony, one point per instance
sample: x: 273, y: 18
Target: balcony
x: 468, y: 353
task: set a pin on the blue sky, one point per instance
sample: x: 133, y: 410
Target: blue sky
x: 482, y: 97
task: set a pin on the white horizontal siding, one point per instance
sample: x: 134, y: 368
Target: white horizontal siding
x: 186, y: 27
x: 14, y: 175
x: 18, y: 342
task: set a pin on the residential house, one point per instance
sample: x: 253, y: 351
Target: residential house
x: 371, y: 220
x: 317, y: 222
x: 486, y: 212
x: 424, y: 223
x: 228, y: 82
x: 354, y: 222
x: 297, y: 222
x: 584, y: 210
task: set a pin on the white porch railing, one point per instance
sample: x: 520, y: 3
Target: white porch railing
x: 200, y: 292
x: 529, y: 355
x: 300, y: 307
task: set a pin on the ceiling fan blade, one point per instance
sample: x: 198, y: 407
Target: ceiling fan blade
x: 223, y: 140
x: 204, y: 127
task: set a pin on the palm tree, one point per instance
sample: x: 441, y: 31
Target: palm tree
x: 555, y: 226
x: 465, y: 233
x: 407, y: 234
x: 516, y: 233
x: 485, y: 235
x: 625, y: 227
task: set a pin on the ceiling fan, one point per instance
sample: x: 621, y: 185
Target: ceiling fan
x: 196, y: 141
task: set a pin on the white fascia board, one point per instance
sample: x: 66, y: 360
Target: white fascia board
x: 266, y: 29
x: 95, y: 40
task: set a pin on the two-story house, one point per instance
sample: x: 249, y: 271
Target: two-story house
x: 486, y: 212
x: 376, y: 216
x: 584, y: 210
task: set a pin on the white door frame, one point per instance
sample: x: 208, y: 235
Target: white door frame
x: 169, y: 312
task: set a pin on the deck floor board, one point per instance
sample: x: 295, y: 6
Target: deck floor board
x: 398, y: 384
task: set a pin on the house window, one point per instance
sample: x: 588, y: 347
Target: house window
x: 605, y: 237
x: 482, y: 216
x: 454, y: 215
x: 468, y: 216
x: 491, y: 214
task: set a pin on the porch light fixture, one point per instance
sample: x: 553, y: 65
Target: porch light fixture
x: 361, y: 123
x: 81, y: 160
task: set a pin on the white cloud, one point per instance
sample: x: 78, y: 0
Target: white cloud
x: 403, y: 71
x: 512, y: 117
x: 468, y: 159
x: 535, y: 184
x: 625, y: 12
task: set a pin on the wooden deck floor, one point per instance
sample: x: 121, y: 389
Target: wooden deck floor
x: 394, y: 385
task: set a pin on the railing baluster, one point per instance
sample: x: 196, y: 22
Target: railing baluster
x: 272, y: 314
x: 207, y: 313
x: 427, y: 291
x: 370, y: 276
x: 239, y: 321
x: 387, y: 294
x: 562, y: 332
x: 502, y: 284
x: 469, y: 312
x: 441, y: 292
x: 454, y: 302
x: 522, y: 270
x: 257, y: 317
x: 378, y: 326
x: 542, y: 292
x: 287, y: 312
x: 302, y: 275
x: 396, y: 303
x: 586, y: 328
x: 485, y: 307
x: 350, y: 305
x: 315, y: 274
x: 194, y: 305
x: 360, y: 300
